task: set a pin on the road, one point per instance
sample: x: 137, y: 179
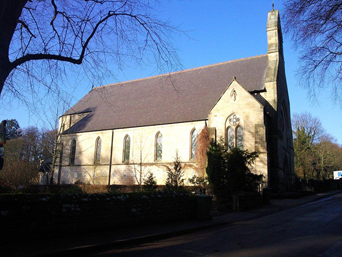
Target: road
x: 314, y: 229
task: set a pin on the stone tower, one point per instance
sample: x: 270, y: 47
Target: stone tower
x: 277, y: 110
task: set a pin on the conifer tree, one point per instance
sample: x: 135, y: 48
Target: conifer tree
x: 175, y: 176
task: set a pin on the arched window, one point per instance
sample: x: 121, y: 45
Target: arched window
x: 159, y: 146
x: 97, y: 155
x: 193, y: 143
x: 234, y: 135
x: 230, y: 137
x: 127, y: 146
x: 239, y: 137
x: 72, y: 152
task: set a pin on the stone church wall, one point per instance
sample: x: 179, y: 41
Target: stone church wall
x: 263, y: 115
x: 176, y: 140
x: 236, y: 100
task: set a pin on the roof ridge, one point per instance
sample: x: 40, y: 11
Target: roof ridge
x: 182, y: 71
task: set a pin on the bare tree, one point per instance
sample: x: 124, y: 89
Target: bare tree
x: 316, y: 153
x: 24, y: 155
x: 94, y: 176
x: 316, y: 29
x: 329, y: 157
x: 307, y: 131
x: 139, y: 169
x: 38, y: 36
x: 311, y: 126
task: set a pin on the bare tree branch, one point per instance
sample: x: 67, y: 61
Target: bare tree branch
x: 95, y: 33
x: 316, y: 29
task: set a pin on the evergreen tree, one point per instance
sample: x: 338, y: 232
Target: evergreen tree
x: 150, y: 183
x: 216, y: 171
x: 229, y: 171
x: 175, y: 176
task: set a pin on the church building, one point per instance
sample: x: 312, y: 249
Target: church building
x: 117, y: 134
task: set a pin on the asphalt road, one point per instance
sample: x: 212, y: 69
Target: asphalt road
x: 313, y: 229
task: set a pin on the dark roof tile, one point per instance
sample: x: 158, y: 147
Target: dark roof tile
x: 171, y: 98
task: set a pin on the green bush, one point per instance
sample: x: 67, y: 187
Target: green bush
x: 228, y: 171
x: 150, y: 183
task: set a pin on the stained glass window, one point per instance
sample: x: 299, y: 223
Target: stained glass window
x: 230, y: 137
x: 234, y: 132
x: 193, y: 143
x: 159, y: 146
x: 127, y: 146
x: 239, y: 138
x: 234, y: 120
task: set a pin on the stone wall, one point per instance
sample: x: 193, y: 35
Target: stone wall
x: 36, y: 216
x: 176, y: 139
x: 251, y: 119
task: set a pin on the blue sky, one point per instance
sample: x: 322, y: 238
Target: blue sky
x: 217, y: 31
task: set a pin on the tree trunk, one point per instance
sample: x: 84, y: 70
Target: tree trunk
x: 3, y: 76
x: 10, y: 11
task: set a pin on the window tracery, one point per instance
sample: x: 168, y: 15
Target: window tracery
x: 239, y: 137
x: 230, y: 137
x: 234, y: 120
x: 234, y: 132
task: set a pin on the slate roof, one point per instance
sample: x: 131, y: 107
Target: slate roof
x: 171, y: 98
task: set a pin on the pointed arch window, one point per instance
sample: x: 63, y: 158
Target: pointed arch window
x: 193, y: 144
x: 97, y: 155
x: 234, y: 132
x: 127, y: 146
x: 72, y: 152
x: 230, y: 137
x: 239, y: 137
x: 159, y: 146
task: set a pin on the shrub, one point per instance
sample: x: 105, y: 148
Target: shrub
x: 200, y: 182
x: 150, y: 183
x: 229, y: 172
x: 216, y: 171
